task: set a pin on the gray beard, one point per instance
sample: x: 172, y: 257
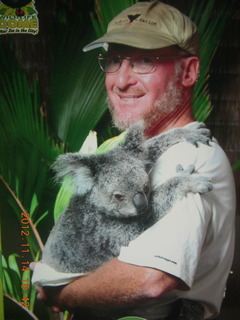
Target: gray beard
x: 163, y: 105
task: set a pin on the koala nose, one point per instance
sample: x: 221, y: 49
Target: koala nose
x: 140, y: 201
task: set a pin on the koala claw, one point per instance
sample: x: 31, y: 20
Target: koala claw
x: 199, y: 184
x: 198, y: 133
x: 203, y: 185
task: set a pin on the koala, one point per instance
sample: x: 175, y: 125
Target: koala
x: 113, y: 201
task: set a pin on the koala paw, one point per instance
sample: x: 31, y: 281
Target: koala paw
x: 192, y: 183
x: 200, y: 185
x: 198, y: 133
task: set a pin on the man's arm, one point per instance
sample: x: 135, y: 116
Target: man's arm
x: 114, y: 285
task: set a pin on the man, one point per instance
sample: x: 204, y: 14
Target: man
x: 151, y: 66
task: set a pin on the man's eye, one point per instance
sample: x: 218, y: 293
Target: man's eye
x: 144, y: 60
x: 114, y: 60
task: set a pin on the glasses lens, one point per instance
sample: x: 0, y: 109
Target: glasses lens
x: 109, y: 63
x: 143, y: 64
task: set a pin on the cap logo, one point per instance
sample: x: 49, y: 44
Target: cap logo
x: 132, y: 18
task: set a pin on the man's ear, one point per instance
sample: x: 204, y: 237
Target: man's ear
x: 190, y: 71
x: 78, y: 167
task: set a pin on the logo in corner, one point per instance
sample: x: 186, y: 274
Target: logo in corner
x: 18, y: 16
x: 132, y: 18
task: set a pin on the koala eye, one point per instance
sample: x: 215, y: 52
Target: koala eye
x: 146, y: 189
x: 118, y: 196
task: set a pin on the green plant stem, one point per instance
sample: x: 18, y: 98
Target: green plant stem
x: 37, y: 236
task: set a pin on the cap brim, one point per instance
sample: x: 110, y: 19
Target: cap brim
x: 139, y: 40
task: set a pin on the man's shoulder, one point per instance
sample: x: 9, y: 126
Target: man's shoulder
x: 208, y: 160
x: 188, y: 153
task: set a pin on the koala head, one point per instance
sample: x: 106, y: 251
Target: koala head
x: 117, y: 182
x: 121, y: 188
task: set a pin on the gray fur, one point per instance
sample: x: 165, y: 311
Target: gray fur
x: 113, y: 204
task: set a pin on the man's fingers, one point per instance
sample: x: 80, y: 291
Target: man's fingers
x: 32, y: 265
x: 41, y: 295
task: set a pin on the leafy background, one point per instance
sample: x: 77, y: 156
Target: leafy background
x: 52, y: 94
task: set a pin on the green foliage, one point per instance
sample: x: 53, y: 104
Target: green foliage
x: 77, y: 95
x: 16, y: 285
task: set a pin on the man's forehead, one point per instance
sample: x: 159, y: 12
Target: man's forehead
x: 126, y: 50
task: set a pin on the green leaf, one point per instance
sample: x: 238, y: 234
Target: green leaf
x: 30, y: 11
x: 12, y: 263
x: 34, y: 203
x: 11, y: 277
x: 41, y: 218
x: 111, y: 143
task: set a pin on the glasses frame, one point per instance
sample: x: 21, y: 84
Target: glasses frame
x: 131, y: 60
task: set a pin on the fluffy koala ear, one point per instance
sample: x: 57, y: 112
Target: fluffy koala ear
x: 78, y: 167
x: 134, y: 140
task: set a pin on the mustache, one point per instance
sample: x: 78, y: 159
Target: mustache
x: 129, y: 91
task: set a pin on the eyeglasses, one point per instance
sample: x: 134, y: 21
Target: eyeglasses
x: 111, y: 63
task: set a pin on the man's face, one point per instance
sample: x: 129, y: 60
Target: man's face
x: 133, y: 96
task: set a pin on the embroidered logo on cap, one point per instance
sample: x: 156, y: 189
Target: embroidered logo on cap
x: 132, y: 18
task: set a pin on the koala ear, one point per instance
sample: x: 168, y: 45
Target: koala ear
x: 134, y: 140
x: 78, y: 167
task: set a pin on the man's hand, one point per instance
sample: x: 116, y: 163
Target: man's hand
x: 49, y: 295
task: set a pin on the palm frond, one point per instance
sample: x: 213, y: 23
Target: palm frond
x: 77, y: 85
x: 25, y: 146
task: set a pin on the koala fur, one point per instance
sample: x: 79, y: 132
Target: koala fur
x: 113, y: 202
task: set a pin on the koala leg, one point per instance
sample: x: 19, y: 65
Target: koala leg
x: 194, y: 133
x: 177, y: 187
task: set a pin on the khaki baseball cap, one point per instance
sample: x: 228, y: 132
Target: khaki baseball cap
x: 150, y: 25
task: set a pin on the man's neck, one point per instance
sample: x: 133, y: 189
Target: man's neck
x: 169, y: 122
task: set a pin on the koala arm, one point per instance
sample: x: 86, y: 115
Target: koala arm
x: 116, y: 284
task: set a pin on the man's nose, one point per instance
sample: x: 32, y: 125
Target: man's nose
x: 125, y: 75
